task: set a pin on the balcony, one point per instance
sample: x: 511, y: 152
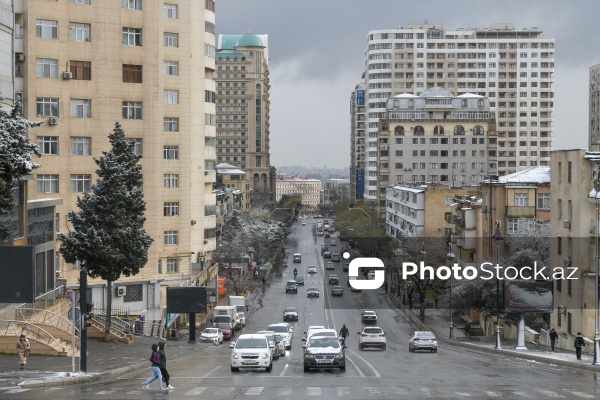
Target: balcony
x: 520, y: 212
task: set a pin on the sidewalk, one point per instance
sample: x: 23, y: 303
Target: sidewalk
x: 437, y: 321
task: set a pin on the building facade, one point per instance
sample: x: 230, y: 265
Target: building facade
x: 335, y: 190
x: 594, y: 108
x: 243, y: 106
x: 513, y: 68
x: 83, y: 65
x: 308, y: 189
x: 358, y: 142
x: 8, y: 32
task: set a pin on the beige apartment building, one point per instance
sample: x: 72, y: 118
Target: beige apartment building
x: 308, y: 189
x: 594, y: 108
x: 243, y: 106
x: 81, y: 66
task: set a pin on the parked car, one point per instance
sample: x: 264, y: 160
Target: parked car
x: 300, y: 280
x: 333, y: 279
x: 225, y: 330
x: 312, y: 292
x: 330, y: 265
x: 372, y: 336
x: 320, y: 232
x: 291, y: 286
x: 303, y: 223
x: 369, y: 317
x: 311, y: 269
x: 337, y: 291
x: 297, y: 257
x: 423, y: 340
x: 286, y: 332
x: 290, y: 313
x: 324, y: 352
x: 212, y: 335
x: 251, y: 351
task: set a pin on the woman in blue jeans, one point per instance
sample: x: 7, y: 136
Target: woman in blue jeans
x: 156, y: 375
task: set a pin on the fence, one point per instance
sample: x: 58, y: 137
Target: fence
x: 43, y: 301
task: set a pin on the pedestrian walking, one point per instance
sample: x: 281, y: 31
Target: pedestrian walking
x: 23, y: 347
x: 156, y: 374
x: 468, y: 329
x: 553, y: 337
x: 163, y: 364
x: 579, y: 344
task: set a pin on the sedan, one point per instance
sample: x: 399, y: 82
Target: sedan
x: 290, y: 313
x: 312, y: 292
x: 311, y: 270
x: 225, y: 329
x: 337, y: 291
x: 303, y: 223
x: 330, y: 265
x: 369, y: 317
x: 300, y: 280
x: 212, y: 335
x: 326, y: 254
x: 423, y: 340
x: 333, y: 279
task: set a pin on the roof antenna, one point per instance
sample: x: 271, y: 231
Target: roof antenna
x: 426, y: 20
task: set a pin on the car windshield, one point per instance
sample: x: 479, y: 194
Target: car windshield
x: 313, y: 289
x: 290, y: 309
x: 223, y: 326
x: 211, y: 330
x: 334, y: 343
x: 373, y: 330
x: 278, y: 328
x: 248, y: 343
x: 292, y: 283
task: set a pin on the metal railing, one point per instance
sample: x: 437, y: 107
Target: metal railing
x: 45, y: 300
x: 33, y: 331
x: 44, y: 317
x: 116, y: 322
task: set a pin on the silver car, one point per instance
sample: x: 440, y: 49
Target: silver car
x: 312, y: 292
x: 279, y: 348
x: 423, y: 340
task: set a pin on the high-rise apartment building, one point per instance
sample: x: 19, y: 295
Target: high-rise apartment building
x: 513, y: 68
x: 7, y: 30
x: 358, y: 142
x: 81, y: 66
x: 594, y: 108
x: 243, y: 104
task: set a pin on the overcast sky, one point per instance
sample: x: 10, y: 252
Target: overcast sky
x: 316, y: 50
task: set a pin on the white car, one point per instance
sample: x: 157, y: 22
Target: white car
x: 286, y: 332
x: 310, y: 329
x: 423, y: 340
x: 320, y: 332
x: 372, y: 336
x: 212, y: 335
x: 241, y: 319
x: 251, y: 351
x: 278, y: 345
x: 311, y: 270
x: 303, y: 223
x: 369, y: 317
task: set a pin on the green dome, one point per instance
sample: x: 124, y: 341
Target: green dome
x: 250, y: 40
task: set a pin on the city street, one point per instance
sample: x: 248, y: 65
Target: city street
x: 452, y: 372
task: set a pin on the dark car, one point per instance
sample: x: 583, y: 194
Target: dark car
x: 333, y: 279
x: 326, y: 254
x: 346, y: 267
x: 312, y: 292
x: 290, y: 313
x: 225, y: 330
x: 321, y: 352
x: 291, y: 286
x: 327, y: 235
x: 300, y: 280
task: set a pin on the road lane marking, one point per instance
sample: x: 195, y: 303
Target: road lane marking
x: 581, y: 394
x: 489, y: 393
x: 368, y: 364
x: 287, y: 391
x: 462, y: 394
x: 284, y: 370
x: 224, y: 391
x: 254, y: 391
x: 343, y: 391
x: 313, y: 391
x: 355, y: 366
x: 431, y: 392
x: 400, y: 390
x: 373, y: 390
x: 550, y: 393
x: 210, y: 372
x: 195, y: 391
x: 522, y: 394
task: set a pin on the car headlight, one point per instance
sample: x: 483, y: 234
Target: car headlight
x: 235, y: 356
x: 339, y: 356
x: 308, y: 355
x: 265, y: 355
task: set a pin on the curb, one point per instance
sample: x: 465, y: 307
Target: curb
x: 416, y: 321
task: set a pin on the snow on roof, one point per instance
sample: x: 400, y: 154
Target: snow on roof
x: 530, y: 175
x: 285, y: 178
x: 225, y: 168
x: 466, y: 95
x: 436, y: 91
x: 405, y: 95
x: 408, y: 189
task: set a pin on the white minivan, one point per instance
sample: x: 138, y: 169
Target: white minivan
x: 251, y: 351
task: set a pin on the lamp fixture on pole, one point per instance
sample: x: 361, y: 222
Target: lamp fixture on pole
x: 450, y: 257
x: 498, y: 238
x: 594, y: 197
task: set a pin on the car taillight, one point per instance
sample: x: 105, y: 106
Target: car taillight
x: 415, y: 339
x: 382, y: 334
x: 434, y: 339
x: 363, y: 334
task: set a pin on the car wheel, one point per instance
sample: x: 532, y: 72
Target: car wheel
x: 233, y: 369
x: 410, y: 349
x: 306, y: 369
x: 383, y: 347
x: 343, y: 368
x: 360, y: 346
x: 269, y: 368
x: 435, y: 350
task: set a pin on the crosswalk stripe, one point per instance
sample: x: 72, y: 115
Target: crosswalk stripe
x: 550, y: 393
x: 195, y: 391
x: 463, y: 394
x: 254, y: 391
x: 492, y: 394
x: 224, y: 391
x: 313, y: 391
x: 372, y: 390
x: 581, y: 394
x: 342, y: 391
x: 400, y: 390
x: 16, y: 391
x: 521, y: 394
x: 103, y: 392
x: 431, y: 392
x: 286, y: 391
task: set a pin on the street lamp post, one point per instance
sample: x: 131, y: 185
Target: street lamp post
x: 450, y: 256
x: 594, y: 197
x: 498, y: 238
x: 282, y: 208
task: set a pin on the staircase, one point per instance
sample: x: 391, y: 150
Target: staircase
x: 42, y: 341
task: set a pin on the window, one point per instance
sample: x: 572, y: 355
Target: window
x: 81, y: 1
x: 209, y: 96
x: 79, y: 32
x: 132, y: 37
x: 46, y: 68
x: 81, y: 108
x: 512, y: 226
x: 173, y: 263
x: 171, y: 209
x: 171, y: 152
x: 132, y: 4
x: 46, y: 29
x: 543, y: 200
x: 171, y: 96
x: 521, y: 200
x: 258, y: 161
x: 171, y: 180
x: 134, y: 293
x: 478, y: 130
x: 47, y: 107
x: 80, y: 183
x: 171, y: 237
x: 81, y: 70
x: 81, y: 146
x: 171, y: 39
x: 137, y: 146
x: 47, y: 183
x: 132, y: 110
x: 171, y: 124
x: 132, y: 73
x: 171, y: 68
x: 170, y: 11
x: 48, y: 144
x: 459, y: 130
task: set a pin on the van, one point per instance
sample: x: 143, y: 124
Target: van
x: 297, y: 257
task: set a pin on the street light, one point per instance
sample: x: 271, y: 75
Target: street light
x: 498, y: 238
x: 283, y: 208
x: 362, y: 209
x: 450, y: 256
x: 594, y: 197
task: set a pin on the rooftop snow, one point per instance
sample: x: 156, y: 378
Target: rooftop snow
x: 530, y: 175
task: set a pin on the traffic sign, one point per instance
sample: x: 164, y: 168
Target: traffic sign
x: 74, y: 314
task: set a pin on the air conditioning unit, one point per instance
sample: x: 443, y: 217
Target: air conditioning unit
x: 567, y: 224
x: 19, y: 57
x: 59, y: 274
x: 121, y: 291
x: 567, y: 262
x: 53, y: 121
x: 67, y: 75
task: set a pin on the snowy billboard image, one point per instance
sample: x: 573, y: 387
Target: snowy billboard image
x: 528, y: 296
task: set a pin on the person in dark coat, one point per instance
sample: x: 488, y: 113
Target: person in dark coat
x: 579, y: 344
x: 156, y: 375
x: 553, y: 337
x: 163, y: 364
x: 468, y: 329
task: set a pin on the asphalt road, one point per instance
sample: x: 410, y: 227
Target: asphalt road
x: 451, y: 373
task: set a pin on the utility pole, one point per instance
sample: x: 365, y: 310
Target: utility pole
x: 82, y: 328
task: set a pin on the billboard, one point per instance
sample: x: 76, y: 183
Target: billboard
x: 18, y: 274
x: 360, y: 97
x: 181, y: 300
x: 528, y: 296
x: 360, y: 184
